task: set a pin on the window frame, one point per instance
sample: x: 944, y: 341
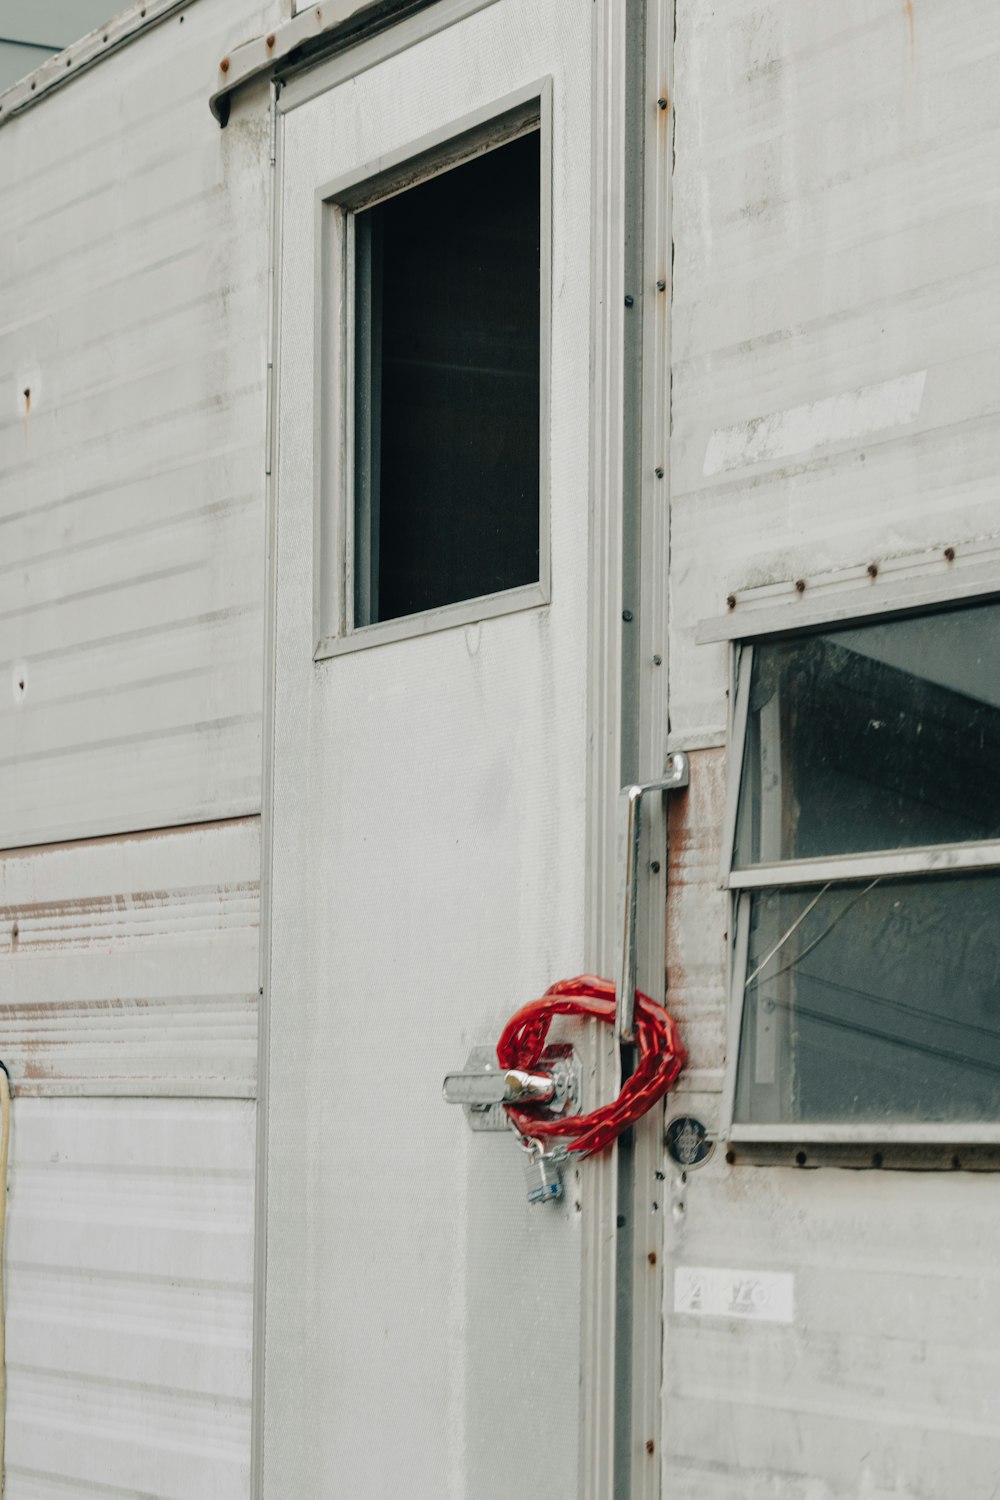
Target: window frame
x: 930, y: 859
x: 526, y: 111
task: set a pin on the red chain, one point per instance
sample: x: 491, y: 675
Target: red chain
x: 661, y: 1057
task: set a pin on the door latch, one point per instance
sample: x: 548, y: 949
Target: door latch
x: 483, y: 1087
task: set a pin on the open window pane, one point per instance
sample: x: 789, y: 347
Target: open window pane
x: 876, y: 1001
x: 882, y: 736
x: 447, y: 277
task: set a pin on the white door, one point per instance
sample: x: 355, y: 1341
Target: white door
x: 438, y: 769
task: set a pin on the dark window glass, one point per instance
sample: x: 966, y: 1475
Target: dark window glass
x: 882, y: 736
x: 447, y: 387
x: 874, y: 1001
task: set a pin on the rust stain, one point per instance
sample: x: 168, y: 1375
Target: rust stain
x: 911, y: 27
x: 30, y: 851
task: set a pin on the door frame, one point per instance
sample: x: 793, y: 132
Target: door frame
x: 632, y: 52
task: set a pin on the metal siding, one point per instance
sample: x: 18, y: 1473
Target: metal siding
x: 835, y: 196
x: 130, y: 965
x: 835, y: 200
x: 130, y: 1265
x: 134, y: 311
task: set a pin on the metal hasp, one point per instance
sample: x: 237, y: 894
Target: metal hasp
x: 514, y: 1086
x: 483, y: 1088
x: 630, y: 826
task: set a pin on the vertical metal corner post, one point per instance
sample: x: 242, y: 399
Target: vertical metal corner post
x: 267, y: 783
x: 623, y: 1288
x: 652, y: 123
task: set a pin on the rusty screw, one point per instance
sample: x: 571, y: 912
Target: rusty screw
x: 873, y: 570
x: 269, y: 41
x: 949, y: 553
x: 661, y: 103
x: 650, y: 1446
x: 651, y: 1257
x: 800, y: 585
x: 661, y: 286
x: 730, y: 601
x: 224, y: 65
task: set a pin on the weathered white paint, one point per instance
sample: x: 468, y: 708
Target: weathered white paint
x: 835, y: 193
x: 428, y: 876
x: 133, y: 308
x: 717, y: 1292
x: 818, y: 424
x: 133, y: 313
x: 129, y: 1258
x: 129, y: 965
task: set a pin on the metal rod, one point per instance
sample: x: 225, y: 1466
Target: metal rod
x: 630, y: 830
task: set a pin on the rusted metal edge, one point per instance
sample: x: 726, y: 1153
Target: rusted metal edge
x: 895, y: 585
x: 308, y: 36
x: 64, y: 66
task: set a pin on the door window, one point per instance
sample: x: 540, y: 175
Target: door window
x: 434, y: 267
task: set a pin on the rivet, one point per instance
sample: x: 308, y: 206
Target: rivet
x: 650, y: 1446
x: 661, y: 286
x: 657, y: 659
x: 800, y: 1158
x: 629, y: 299
x: 224, y: 65
x: 949, y: 553
x: 658, y: 473
x: 661, y: 103
x: 730, y: 601
x: 627, y: 616
x: 651, y: 1257
x: 621, y: 1221
x: 269, y: 42
x: 873, y: 570
x: 654, y: 865
x: 800, y: 585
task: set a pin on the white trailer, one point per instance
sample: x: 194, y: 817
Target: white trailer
x: 424, y: 418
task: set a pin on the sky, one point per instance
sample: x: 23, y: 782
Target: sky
x: 31, y: 30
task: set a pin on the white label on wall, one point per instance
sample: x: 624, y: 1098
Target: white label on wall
x: 713, y: 1291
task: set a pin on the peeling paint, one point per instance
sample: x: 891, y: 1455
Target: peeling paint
x: 801, y: 429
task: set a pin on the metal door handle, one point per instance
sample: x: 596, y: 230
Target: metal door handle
x: 630, y: 805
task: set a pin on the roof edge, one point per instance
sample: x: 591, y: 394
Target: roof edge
x: 313, y: 33
x: 78, y: 57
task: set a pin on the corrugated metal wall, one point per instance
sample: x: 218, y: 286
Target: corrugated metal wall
x: 836, y: 344
x: 133, y: 321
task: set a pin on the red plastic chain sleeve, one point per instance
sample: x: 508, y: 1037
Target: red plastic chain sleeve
x: 661, y: 1058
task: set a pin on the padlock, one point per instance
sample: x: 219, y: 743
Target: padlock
x: 543, y: 1170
